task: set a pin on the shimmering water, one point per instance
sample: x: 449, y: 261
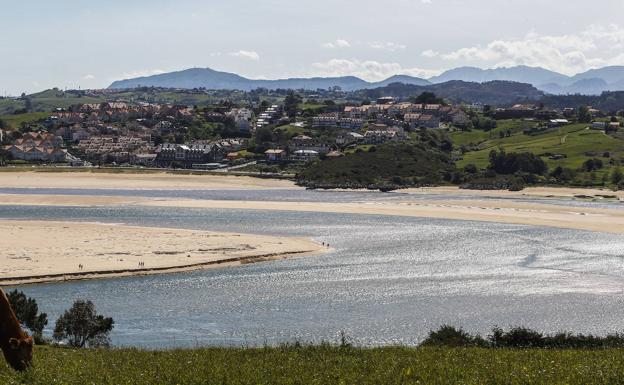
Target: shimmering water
x: 390, y: 280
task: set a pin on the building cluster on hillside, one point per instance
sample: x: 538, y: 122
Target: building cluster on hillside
x: 195, y: 154
x: 243, y: 119
x: 116, y: 149
x: 269, y: 116
x: 539, y: 112
x: 38, y: 147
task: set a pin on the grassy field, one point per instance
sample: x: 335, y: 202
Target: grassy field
x: 14, y: 121
x: 321, y: 365
x: 575, y: 141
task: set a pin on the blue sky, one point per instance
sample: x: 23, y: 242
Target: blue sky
x: 70, y: 43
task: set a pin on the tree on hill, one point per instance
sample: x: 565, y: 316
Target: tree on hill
x: 617, y: 176
x: 81, y: 326
x: 291, y: 103
x: 583, y: 115
x: 27, y: 312
x: 428, y: 98
x: 507, y: 164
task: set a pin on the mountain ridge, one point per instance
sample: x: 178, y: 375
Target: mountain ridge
x: 591, y: 82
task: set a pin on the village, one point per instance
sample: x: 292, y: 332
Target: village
x: 119, y: 133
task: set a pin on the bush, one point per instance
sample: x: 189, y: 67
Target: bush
x: 448, y: 336
x: 521, y: 338
x: 592, y: 165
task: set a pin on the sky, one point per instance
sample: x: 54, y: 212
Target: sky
x: 89, y: 44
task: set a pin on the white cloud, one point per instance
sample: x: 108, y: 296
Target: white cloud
x: 338, y: 43
x: 368, y: 69
x: 430, y: 53
x: 249, y: 55
x: 387, y: 46
x: 88, y: 77
x: 139, y: 74
x: 595, y: 46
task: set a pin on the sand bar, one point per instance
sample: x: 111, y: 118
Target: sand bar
x: 136, y: 181
x: 46, y: 251
x: 538, y: 213
x: 168, y: 181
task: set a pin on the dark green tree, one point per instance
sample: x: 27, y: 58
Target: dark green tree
x: 583, y: 115
x: 428, y: 98
x: 27, y: 312
x: 264, y: 135
x: 291, y: 104
x: 81, y: 326
x: 617, y: 176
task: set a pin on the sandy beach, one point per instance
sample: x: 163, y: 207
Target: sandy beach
x: 135, y: 181
x: 42, y: 251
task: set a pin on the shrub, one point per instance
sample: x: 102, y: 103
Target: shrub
x: 449, y: 336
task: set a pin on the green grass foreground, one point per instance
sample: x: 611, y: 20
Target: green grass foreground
x: 321, y: 365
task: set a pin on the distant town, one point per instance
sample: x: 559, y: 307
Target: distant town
x: 277, y: 132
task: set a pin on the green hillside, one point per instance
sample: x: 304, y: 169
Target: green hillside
x: 577, y: 143
x: 391, y: 165
x: 321, y: 365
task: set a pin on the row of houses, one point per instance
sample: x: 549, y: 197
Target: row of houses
x: 190, y: 155
x: 269, y: 116
x: 334, y: 120
x: 122, y: 149
x: 38, y: 147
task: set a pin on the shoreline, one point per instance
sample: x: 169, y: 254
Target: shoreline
x: 114, y: 251
x: 167, y: 180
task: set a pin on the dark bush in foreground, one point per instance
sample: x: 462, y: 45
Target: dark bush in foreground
x: 521, y: 338
x: 451, y: 337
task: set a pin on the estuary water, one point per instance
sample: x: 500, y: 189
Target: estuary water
x: 389, y: 281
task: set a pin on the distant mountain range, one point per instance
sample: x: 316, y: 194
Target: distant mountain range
x: 211, y: 79
x: 592, y: 82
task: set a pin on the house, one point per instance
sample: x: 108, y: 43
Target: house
x: 333, y: 120
x: 304, y: 156
x: 349, y: 138
x: 242, y: 118
x: 599, y: 126
x: 275, y: 155
x: 428, y: 121
x: 459, y: 118
x: 187, y: 154
x: 334, y: 154
x: 385, y: 100
x: 519, y: 111
x: 38, y: 147
x: 303, y: 142
x: 558, y: 122
x: 380, y: 137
